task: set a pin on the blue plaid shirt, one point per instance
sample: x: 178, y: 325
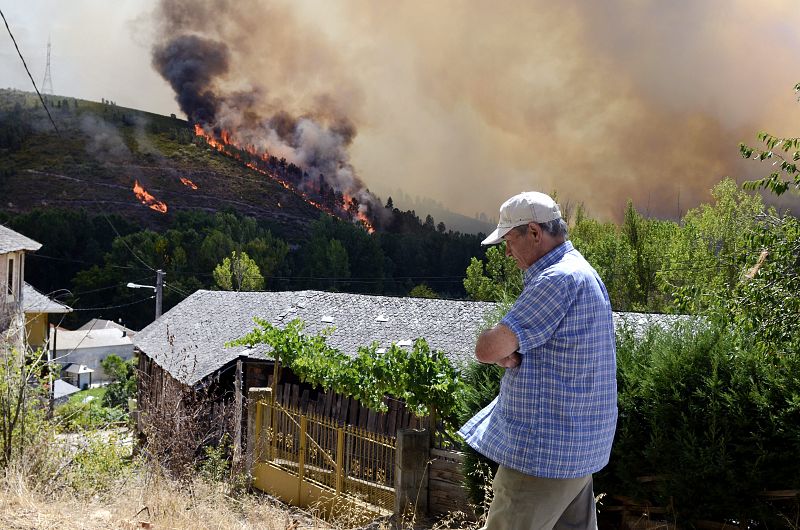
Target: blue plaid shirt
x: 556, y: 413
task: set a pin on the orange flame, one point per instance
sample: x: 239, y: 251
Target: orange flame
x: 188, y: 183
x: 365, y: 221
x: 226, y: 140
x: 347, y: 203
x: 147, y: 199
x: 213, y: 142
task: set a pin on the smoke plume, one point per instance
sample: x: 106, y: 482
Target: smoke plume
x: 315, y: 137
x: 471, y: 102
x: 104, y: 141
x: 190, y: 64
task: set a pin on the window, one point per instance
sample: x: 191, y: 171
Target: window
x: 10, y: 284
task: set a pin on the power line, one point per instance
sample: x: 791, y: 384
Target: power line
x: 109, y: 287
x: 29, y: 72
x: 56, y: 358
x: 175, y: 289
x: 112, y: 306
x: 114, y: 228
x: 68, y: 260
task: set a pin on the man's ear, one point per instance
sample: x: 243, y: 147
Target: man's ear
x: 536, y: 231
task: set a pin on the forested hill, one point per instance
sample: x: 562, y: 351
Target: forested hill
x: 74, y: 192
x: 102, y: 150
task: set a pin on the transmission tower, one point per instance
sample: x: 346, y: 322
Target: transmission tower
x: 47, y: 84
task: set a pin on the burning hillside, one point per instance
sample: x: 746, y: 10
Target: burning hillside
x: 306, y: 154
x: 320, y: 195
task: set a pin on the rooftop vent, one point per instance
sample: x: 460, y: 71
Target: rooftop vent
x: 381, y: 318
x: 380, y: 350
x: 327, y: 319
x: 405, y: 343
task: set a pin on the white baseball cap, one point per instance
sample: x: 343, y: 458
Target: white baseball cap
x: 521, y: 209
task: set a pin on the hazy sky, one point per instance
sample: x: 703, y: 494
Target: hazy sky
x: 469, y: 102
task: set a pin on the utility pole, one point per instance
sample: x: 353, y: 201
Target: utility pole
x: 159, y: 291
x: 158, y: 288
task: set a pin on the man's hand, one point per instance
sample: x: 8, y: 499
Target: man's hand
x: 512, y: 361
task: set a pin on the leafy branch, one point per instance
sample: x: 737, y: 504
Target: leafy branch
x: 424, y: 379
x: 787, y: 174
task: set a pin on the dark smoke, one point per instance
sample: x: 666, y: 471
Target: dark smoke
x: 284, y: 126
x: 190, y: 64
x: 314, y: 135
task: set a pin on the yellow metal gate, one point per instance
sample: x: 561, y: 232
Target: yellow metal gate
x: 312, y: 461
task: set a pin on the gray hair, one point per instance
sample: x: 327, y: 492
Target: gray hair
x: 555, y: 228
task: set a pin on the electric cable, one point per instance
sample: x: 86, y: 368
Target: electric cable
x: 84, y: 262
x: 29, y: 73
x: 175, y: 289
x: 122, y: 239
x: 113, y: 306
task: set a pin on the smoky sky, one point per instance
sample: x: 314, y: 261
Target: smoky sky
x: 471, y: 102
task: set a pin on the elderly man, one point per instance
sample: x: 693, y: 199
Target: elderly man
x: 553, y: 423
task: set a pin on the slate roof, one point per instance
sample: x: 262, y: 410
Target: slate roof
x: 100, y: 323
x: 11, y: 241
x: 188, y: 341
x: 640, y: 322
x: 35, y: 302
x: 91, y: 338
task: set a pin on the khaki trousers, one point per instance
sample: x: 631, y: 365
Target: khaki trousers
x: 534, y: 503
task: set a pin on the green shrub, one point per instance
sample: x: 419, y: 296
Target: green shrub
x: 215, y: 465
x: 482, y: 385
x: 710, y: 419
x: 98, y: 464
x: 78, y: 416
x: 124, y: 385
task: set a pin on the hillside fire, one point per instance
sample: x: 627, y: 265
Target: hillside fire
x: 188, y: 183
x: 321, y: 196
x: 305, y: 151
x: 147, y: 199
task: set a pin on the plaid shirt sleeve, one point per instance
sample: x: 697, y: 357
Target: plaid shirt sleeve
x: 539, y: 310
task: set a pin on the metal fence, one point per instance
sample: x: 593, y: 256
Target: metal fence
x: 343, y: 459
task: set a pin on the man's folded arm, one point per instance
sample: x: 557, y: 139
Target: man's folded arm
x: 496, y: 344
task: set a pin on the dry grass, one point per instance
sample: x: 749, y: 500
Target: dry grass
x: 146, y: 500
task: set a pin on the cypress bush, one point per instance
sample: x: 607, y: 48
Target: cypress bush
x: 710, y: 420
x: 482, y: 385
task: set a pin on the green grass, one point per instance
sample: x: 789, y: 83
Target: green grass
x: 97, y: 393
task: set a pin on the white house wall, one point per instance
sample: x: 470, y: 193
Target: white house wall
x: 91, y: 357
x: 13, y: 323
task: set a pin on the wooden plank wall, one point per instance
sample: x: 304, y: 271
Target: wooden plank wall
x: 446, y: 491
x: 347, y: 410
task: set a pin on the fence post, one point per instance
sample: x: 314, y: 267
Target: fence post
x: 254, y: 447
x: 412, y: 454
x: 339, y: 460
x: 301, y: 457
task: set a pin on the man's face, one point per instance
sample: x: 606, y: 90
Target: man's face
x: 523, y: 246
